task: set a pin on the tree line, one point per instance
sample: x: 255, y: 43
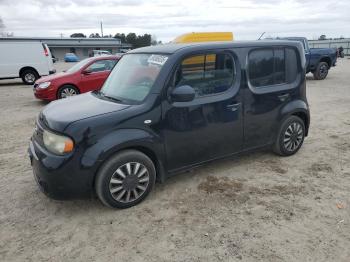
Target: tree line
x: 135, y: 40
x: 323, y: 37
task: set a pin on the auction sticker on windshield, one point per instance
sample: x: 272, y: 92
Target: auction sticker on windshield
x: 157, y: 59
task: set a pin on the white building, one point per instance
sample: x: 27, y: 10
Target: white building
x: 82, y: 47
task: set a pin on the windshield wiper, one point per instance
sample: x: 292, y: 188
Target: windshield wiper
x: 103, y: 95
x: 113, y: 98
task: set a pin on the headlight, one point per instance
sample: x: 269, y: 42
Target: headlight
x: 44, y: 85
x: 57, y: 144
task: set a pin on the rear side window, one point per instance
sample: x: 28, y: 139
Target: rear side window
x: 272, y: 66
x: 207, y: 74
x: 261, y: 67
x: 280, y: 66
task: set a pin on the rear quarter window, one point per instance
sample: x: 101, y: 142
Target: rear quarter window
x: 272, y: 66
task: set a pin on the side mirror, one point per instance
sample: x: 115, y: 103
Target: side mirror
x: 183, y: 94
x: 87, y: 72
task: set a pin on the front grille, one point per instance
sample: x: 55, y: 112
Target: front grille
x: 38, y: 133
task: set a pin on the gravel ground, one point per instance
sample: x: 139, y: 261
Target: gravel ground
x: 258, y: 207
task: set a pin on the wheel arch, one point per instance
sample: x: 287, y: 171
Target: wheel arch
x: 158, y: 164
x: 27, y: 68
x: 305, y: 118
x: 326, y: 59
x: 66, y: 84
x: 160, y: 174
x: 125, y: 139
x: 297, y: 108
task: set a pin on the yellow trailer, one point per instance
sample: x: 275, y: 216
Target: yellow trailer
x: 204, y: 37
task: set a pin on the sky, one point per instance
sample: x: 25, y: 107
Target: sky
x: 164, y: 19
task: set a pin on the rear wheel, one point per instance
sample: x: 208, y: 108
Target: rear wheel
x: 126, y: 179
x: 67, y: 91
x: 290, y: 137
x: 29, y: 76
x: 321, y: 71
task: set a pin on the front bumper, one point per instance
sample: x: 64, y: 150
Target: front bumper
x: 59, y: 177
x: 48, y: 94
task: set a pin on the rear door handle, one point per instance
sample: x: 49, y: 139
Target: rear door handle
x: 233, y: 107
x: 283, y: 97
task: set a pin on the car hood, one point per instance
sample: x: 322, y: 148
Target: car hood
x: 52, y: 77
x: 61, y: 113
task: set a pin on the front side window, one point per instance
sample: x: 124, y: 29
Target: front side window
x: 133, y: 77
x: 102, y: 65
x: 79, y: 65
x: 207, y: 74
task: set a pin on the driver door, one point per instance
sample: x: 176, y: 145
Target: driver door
x: 210, y: 126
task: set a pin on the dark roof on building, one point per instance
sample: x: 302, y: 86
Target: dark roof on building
x: 70, y: 42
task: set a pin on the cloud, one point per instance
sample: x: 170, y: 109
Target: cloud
x: 167, y: 19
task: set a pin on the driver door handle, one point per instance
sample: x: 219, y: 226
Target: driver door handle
x: 233, y: 107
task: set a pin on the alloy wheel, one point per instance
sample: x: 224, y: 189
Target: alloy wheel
x: 29, y: 77
x: 129, y: 182
x: 293, y: 136
x: 66, y: 92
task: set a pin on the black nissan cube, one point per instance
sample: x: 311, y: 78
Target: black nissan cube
x: 168, y: 108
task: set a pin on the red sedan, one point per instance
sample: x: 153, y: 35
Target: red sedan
x: 85, y: 76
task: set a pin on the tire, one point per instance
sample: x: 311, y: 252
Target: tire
x: 29, y: 76
x: 294, y: 126
x: 321, y: 71
x: 67, y: 91
x: 124, y: 192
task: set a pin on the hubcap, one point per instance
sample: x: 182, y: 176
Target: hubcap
x: 29, y: 77
x: 129, y: 182
x: 68, y: 92
x: 293, y: 136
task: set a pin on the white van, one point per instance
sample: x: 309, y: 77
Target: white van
x: 26, y: 60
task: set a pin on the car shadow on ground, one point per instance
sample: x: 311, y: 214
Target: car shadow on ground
x: 7, y: 84
x: 41, y: 102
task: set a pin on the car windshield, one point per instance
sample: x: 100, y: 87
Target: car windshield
x: 78, y: 66
x: 133, y: 77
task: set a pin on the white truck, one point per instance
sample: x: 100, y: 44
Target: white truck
x: 26, y: 60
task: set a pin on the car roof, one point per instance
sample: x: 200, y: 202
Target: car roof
x: 291, y: 38
x: 173, y: 48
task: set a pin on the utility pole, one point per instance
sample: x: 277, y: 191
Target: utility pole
x: 101, y: 29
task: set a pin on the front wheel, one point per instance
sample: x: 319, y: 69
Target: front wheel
x: 290, y: 137
x: 67, y: 91
x: 29, y: 76
x: 125, y: 179
x: 321, y: 71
